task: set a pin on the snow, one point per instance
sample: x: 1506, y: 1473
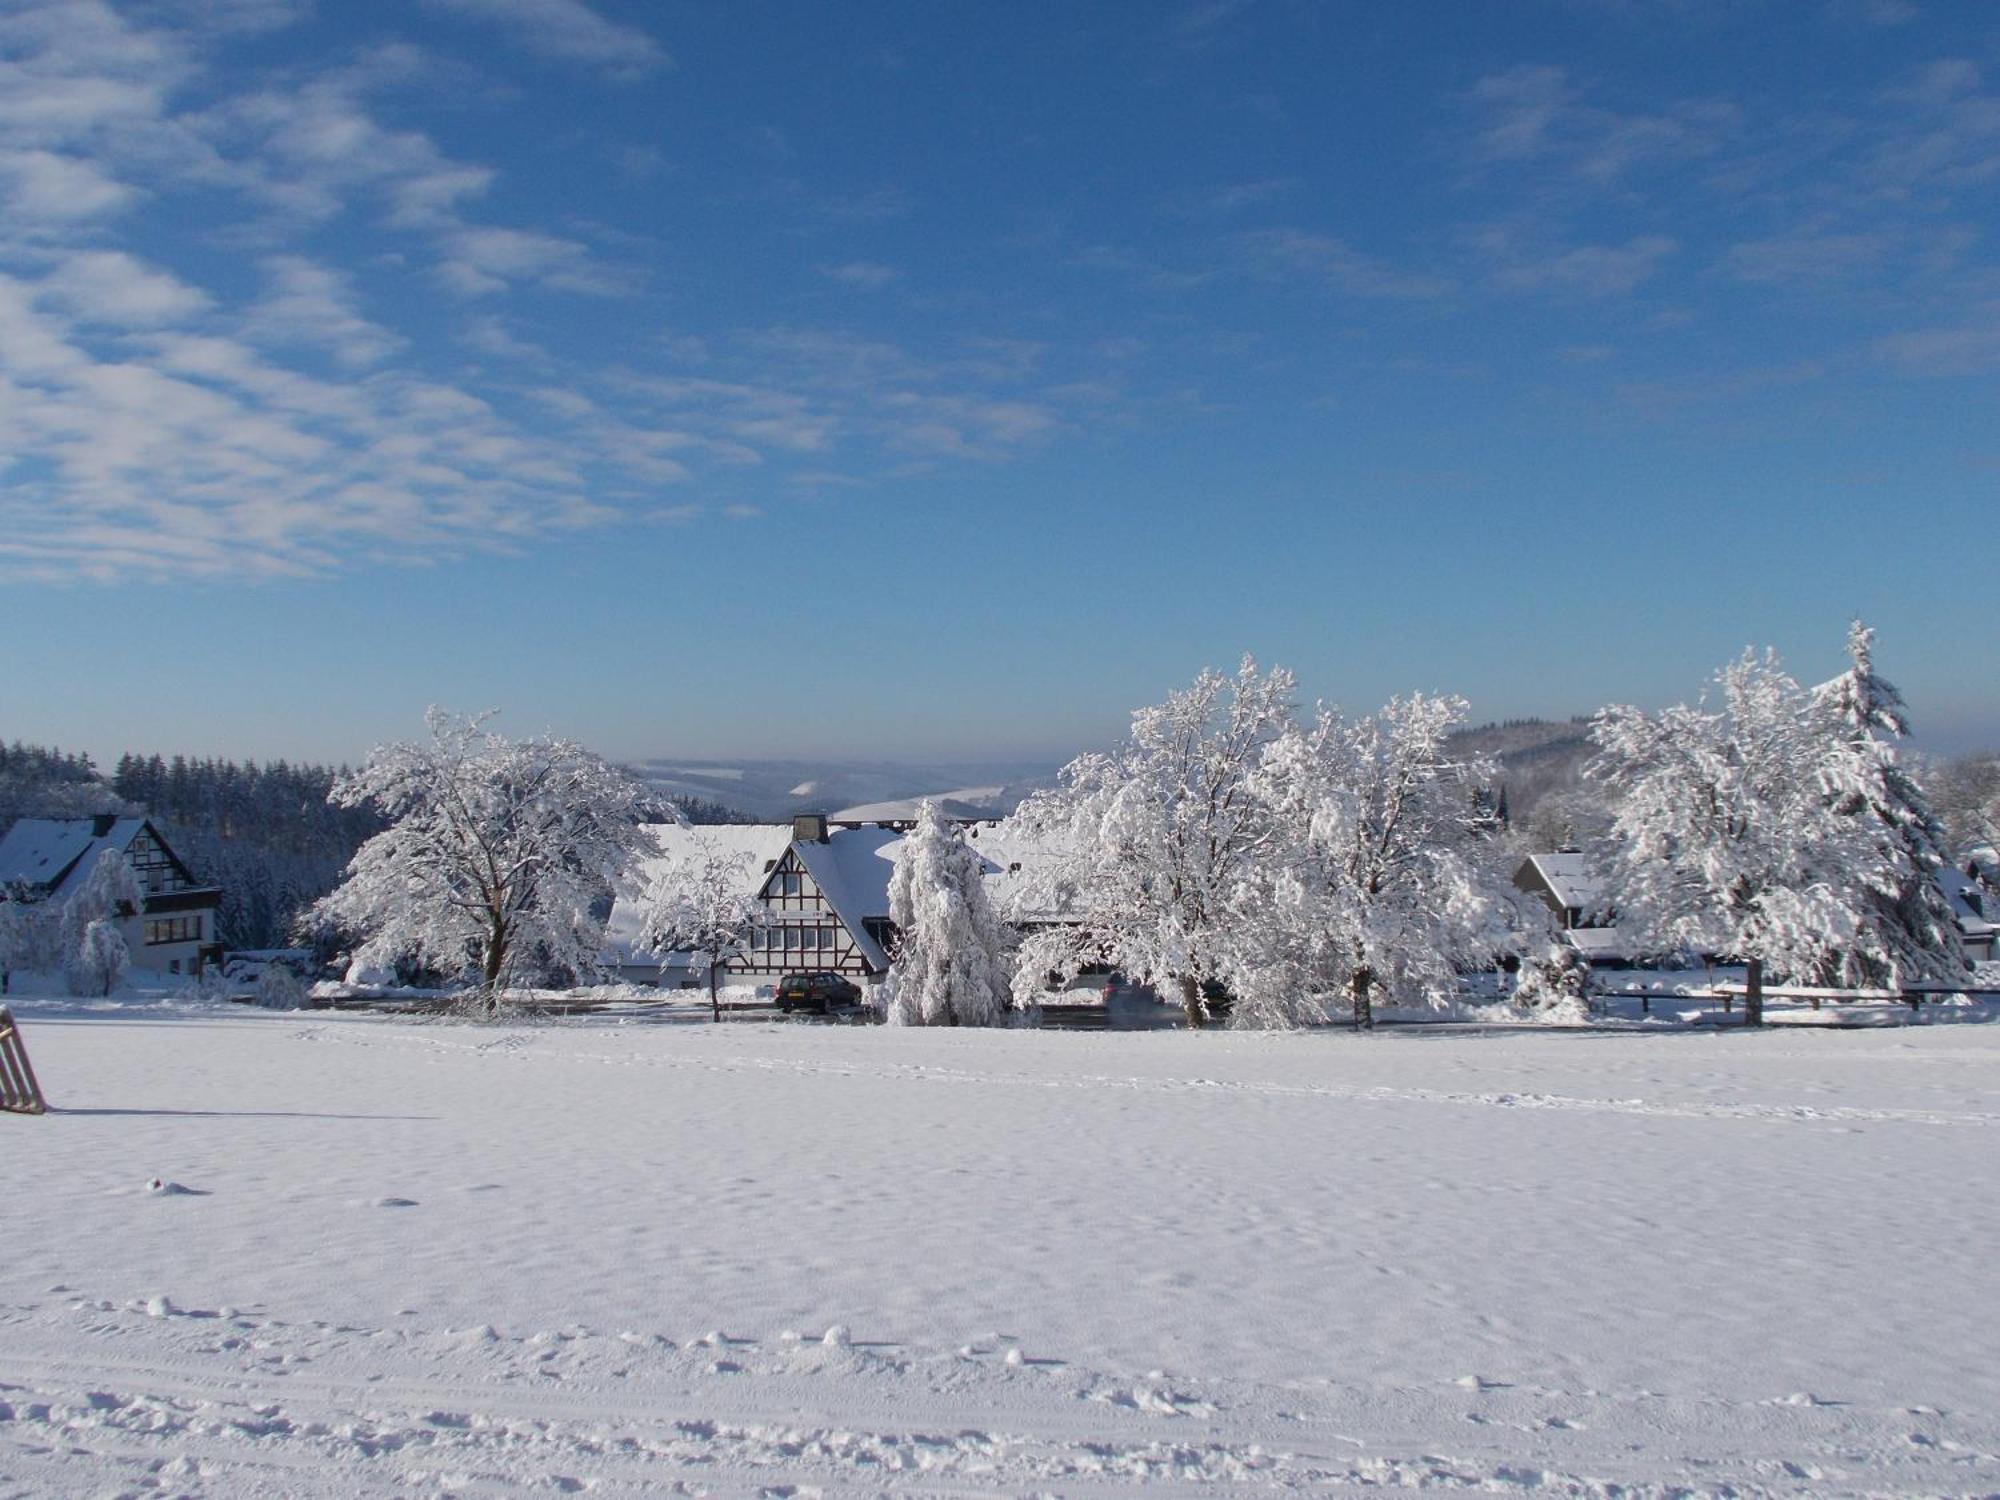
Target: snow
x: 266, y: 1254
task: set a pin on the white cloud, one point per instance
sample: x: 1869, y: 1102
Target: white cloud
x: 483, y: 258
x: 46, y: 185
x: 570, y: 30
x: 867, y: 274
x: 1807, y: 254
x: 1297, y: 253
x: 1535, y: 112
x: 307, y: 304
x: 1970, y: 346
x: 1583, y: 270
x: 109, y: 287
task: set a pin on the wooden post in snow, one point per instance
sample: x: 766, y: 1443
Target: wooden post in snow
x: 20, y: 1094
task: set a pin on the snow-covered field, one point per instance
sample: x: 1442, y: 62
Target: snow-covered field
x: 416, y: 1259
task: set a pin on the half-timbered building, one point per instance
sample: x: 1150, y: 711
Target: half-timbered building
x: 823, y: 884
x: 48, y: 859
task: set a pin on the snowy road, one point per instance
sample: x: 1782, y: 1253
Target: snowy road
x: 419, y: 1259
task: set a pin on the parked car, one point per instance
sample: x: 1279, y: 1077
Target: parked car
x: 819, y: 992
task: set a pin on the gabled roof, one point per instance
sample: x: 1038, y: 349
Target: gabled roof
x: 1568, y: 875
x: 51, y: 852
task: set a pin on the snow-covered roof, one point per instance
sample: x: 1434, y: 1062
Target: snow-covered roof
x: 852, y: 871
x: 51, y: 852
x: 1971, y: 907
x: 1568, y: 874
x: 754, y: 843
x: 1597, y: 942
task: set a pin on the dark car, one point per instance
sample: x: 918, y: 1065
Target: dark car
x: 817, y: 992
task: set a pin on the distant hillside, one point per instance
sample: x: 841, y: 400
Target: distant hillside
x: 773, y: 790
x: 1541, y: 768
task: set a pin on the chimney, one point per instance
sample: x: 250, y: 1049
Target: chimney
x: 809, y: 828
x: 100, y: 825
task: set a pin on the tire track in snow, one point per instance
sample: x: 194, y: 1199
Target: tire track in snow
x: 1799, y: 1114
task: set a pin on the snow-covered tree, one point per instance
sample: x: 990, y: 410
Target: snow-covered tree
x: 1731, y: 837
x: 1160, y: 833
x: 1554, y: 982
x: 100, y: 959
x: 30, y: 936
x: 703, y: 903
x: 109, y: 892
x: 1386, y: 878
x: 501, y: 858
x: 1965, y: 791
x: 280, y: 988
x: 1909, y: 932
x: 954, y: 960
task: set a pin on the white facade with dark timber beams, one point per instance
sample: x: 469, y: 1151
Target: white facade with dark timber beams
x: 827, y: 899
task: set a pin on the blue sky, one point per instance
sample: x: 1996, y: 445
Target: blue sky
x: 918, y: 380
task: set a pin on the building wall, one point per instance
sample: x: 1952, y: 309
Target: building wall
x: 172, y: 954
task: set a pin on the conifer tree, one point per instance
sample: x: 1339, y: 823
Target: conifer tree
x: 953, y: 963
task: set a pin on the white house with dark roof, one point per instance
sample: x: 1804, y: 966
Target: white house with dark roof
x: 48, y: 859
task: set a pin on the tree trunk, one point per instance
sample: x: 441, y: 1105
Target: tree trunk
x: 1364, y: 1006
x: 1753, y: 993
x: 1191, y: 1001
x: 714, y: 1001
x: 496, y: 961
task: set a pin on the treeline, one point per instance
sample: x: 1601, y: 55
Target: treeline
x: 37, y: 782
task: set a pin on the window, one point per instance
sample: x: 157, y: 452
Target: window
x: 173, y: 930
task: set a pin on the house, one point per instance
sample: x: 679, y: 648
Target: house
x: 1976, y: 910
x: 1563, y: 880
x: 1575, y: 897
x: 48, y: 859
x: 824, y: 886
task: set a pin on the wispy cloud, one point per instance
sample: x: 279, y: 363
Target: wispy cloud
x: 867, y: 274
x: 310, y: 305
x: 1525, y: 259
x: 1969, y: 346
x: 1537, y: 113
x: 1328, y: 260
x: 570, y: 31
